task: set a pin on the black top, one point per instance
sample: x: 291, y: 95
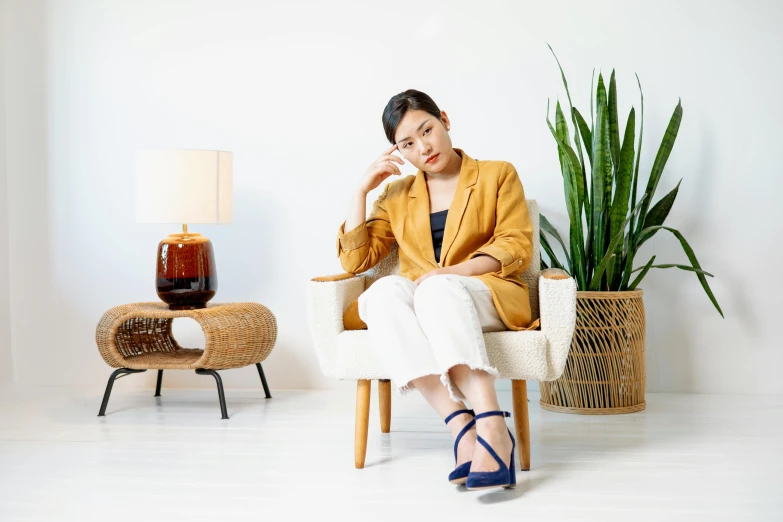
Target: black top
x: 437, y: 225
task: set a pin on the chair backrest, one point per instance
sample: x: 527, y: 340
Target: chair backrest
x: 390, y: 265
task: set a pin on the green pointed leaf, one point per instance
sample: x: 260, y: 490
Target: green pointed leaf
x: 633, y: 245
x: 660, y: 159
x: 645, y: 269
x: 581, y: 184
x: 681, y: 267
x: 547, y: 227
x: 562, y: 74
x: 617, y: 271
x: 620, y: 202
x: 592, y: 90
x: 623, y: 179
x: 601, y: 171
x: 587, y: 139
x: 610, y: 272
x: 569, y: 158
x: 610, y: 255
x: 548, y: 249
x: 645, y: 235
x: 590, y: 202
x: 658, y: 213
x: 691, y: 257
x: 570, y: 168
x: 587, y: 136
x: 639, y: 146
x: 614, y: 124
x: 561, y: 127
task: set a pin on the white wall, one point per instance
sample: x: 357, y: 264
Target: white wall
x: 296, y: 91
x: 6, y: 367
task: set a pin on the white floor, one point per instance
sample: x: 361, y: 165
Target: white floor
x: 686, y: 457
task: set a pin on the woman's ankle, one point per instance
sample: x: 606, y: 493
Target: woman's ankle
x: 459, y: 422
x: 456, y: 431
x: 493, y: 429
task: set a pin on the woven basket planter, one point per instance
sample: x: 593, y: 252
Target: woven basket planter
x: 605, y: 370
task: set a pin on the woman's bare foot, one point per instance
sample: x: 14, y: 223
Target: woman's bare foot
x: 495, y: 432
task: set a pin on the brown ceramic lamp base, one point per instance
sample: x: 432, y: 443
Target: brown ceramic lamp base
x: 186, y: 275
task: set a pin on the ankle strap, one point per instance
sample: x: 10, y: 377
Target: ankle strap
x: 492, y: 414
x: 458, y: 412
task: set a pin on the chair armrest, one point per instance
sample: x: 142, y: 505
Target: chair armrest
x: 327, y: 299
x: 554, y: 273
x: 557, y: 301
x: 330, y: 278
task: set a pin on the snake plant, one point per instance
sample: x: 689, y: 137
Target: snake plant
x: 608, y: 222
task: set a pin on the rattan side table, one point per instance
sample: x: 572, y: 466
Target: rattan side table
x: 137, y: 337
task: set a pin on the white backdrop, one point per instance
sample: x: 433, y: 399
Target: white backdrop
x: 296, y: 90
x: 6, y: 367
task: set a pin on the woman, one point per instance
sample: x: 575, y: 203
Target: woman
x: 464, y: 238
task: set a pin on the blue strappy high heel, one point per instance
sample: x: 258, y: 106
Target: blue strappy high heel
x: 460, y: 473
x: 505, y: 476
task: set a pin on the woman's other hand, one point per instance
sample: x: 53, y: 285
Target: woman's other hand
x: 454, y: 269
x: 482, y: 264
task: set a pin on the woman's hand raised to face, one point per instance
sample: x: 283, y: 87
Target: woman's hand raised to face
x: 381, y: 169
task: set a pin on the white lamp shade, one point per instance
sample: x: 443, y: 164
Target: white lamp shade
x: 184, y: 186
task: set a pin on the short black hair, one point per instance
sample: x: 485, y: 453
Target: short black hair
x: 402, y: 103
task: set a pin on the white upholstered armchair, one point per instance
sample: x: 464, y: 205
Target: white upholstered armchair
x: 520, y: 356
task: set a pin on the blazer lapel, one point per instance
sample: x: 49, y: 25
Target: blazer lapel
x: 468, y: 176
x: 419, y: 214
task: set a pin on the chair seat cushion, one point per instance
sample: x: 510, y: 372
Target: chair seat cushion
x: 516, y: 355
x: 351, y: 319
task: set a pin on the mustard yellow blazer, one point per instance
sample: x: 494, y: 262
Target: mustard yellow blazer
x: 488, y: 215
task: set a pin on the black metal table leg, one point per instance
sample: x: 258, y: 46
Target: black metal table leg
x: 221, y: 395
x: 263, y: 381
x: 116, y: 374
x: 160, y: 381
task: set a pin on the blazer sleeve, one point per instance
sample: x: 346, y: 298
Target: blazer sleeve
x: 512, y: 240
x: 367, y: 244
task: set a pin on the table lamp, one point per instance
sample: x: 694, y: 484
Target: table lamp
x: 184, y: 187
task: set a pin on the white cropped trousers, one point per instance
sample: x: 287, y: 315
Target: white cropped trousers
x: 426, y: 330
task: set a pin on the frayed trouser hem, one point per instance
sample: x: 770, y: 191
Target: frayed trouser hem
x: 455, y: 393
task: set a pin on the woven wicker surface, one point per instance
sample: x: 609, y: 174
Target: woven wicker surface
x: 605, y: 371
x: 138, y: 336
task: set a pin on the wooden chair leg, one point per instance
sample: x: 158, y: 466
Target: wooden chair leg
x: 362, y: 422
x: 521, y: 422
x: 384, y: 400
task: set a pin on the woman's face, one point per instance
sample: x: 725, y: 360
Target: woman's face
x: 421, y: 136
